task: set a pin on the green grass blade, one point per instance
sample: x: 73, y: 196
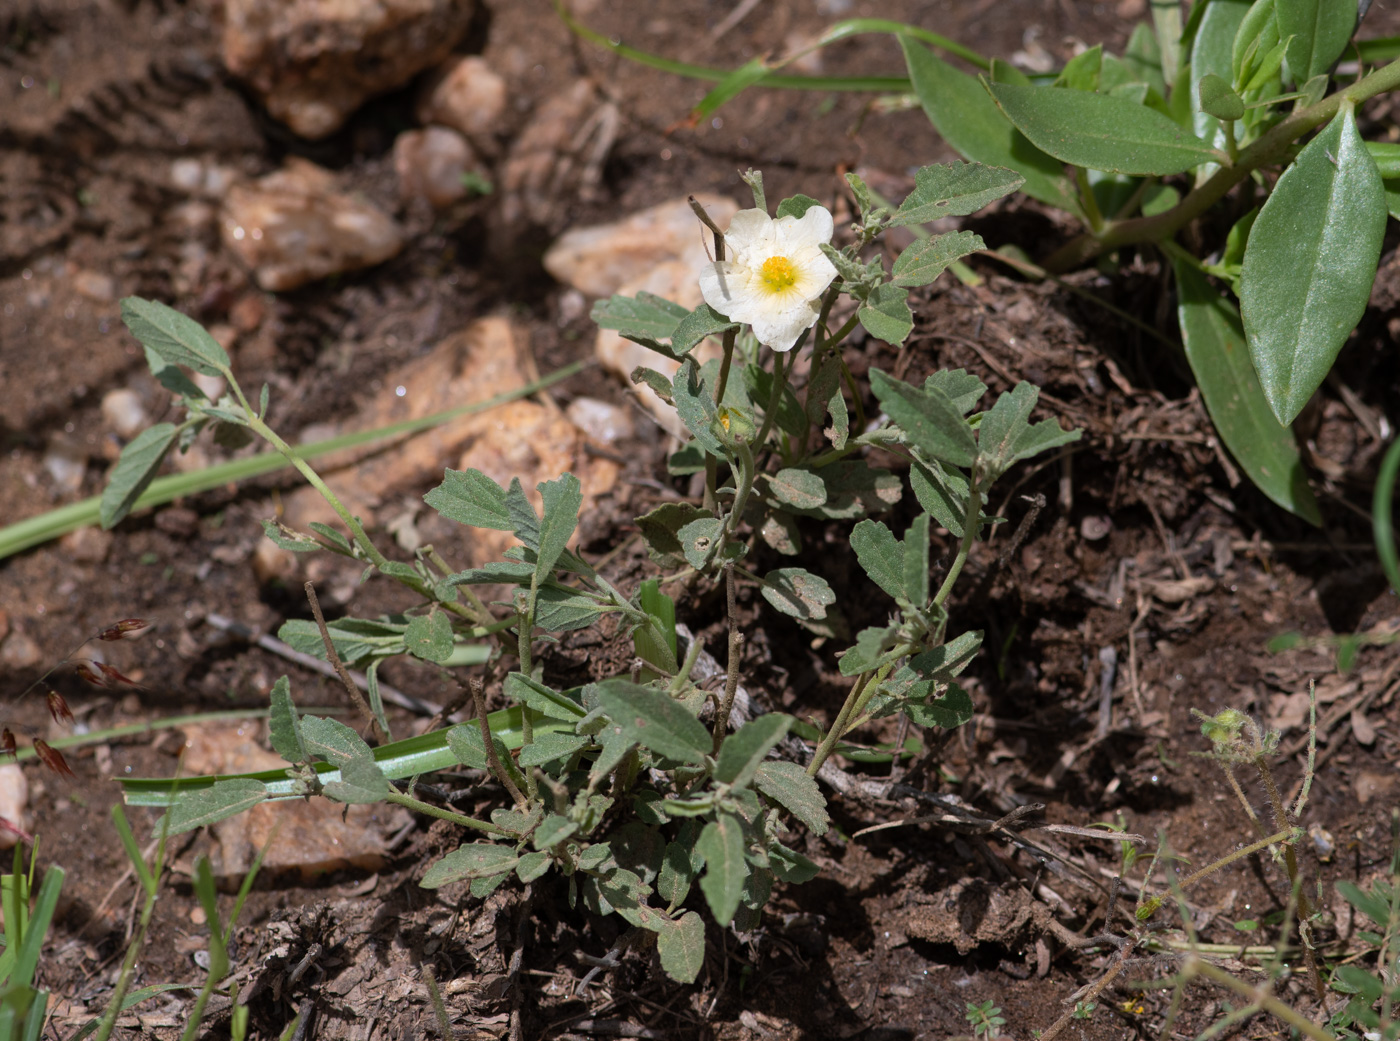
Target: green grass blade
x: 1381, y: 515
x: 27, y: 959
x: 134, y: 998
x: 133, y: 851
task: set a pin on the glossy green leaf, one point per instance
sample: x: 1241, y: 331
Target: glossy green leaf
x: 681, y: 947
x: 722, y: 845
x: 789, y: 785
x: 1387, y: 158
x: 1257, y: 35
x: 926, y: 259
x: 968, y: 119
x: 474, y: 860
x: 1211, y: 52
x: 953, y: 190
x: 283, y: 725
x: 1218, y: 100
x: 136, y: 468
x: 886, y: 315
x: 470, y: 497
x: 1219, y: 358
x: 1310, y: 263
x: 1101, y: 132
x: 655, y: 720
x: 177, y: 338
x: 797, y: 592
x: 880, y: 555
x: 1320, y: 31
x: 429, y: 636
x: 1143, y: 57
x: 928, y: 418
x: 742, y: 752
x: 1082, y: 71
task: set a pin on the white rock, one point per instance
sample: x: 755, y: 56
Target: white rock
x: 66, y: 465
x: 602, y: 421
x: 467, y: 95
x: 124, y: 413
x: 295, y: 226
x: 431, y: 163
x: 187, y: 174
x: 315, y: 61
x: 601, y: 259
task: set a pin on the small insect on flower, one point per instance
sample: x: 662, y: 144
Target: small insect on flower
x: 52, y: 759
x: 7, y: 742
x: 126, y: 629
x: 777, y: 275
x: 58, y: 708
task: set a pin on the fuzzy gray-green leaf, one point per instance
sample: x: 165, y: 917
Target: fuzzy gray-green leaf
x: 562, y: 500
x: 470, y: 497
x: 681, y: 947
x: 474, y: 860
x: 953, y: 190
x: 284, y: 728
x: 743, y: 751
x: 429, y: 636
x: 928, y: 418
x: 136, y: 468
x: 790, y: 786
x: 796, y: 591
x: 176, y: 337
x: 722, y: 845
x: 655, y: 720
x: 880, y: 555
x: 222, y: 799
x: 886, y: 315
x: 923, y: 261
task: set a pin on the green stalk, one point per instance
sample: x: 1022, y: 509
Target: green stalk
x: 409, y: 802
x: 970, y: 526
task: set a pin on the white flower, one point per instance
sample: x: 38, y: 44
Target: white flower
x: 775, y: 276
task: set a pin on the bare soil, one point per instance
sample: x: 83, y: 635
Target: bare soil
x: 1149, y: 546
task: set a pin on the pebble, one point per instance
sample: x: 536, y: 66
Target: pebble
x: 602, y: 421
x: 1095, y: 527
x: 20, y: 651
x: 315, y: 62
x: 95, y: 286
x: 124, y: 413
x: 67, y: 465
x: 466, y: 95
x: 247, y: 312
x: 430, y: 165
x: 295, y: 226
x: 14, y: 802
x: 87, y: 545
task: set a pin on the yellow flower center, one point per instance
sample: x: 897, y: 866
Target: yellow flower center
x: 779, y: 274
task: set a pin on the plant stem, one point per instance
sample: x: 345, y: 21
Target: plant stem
x: 525, y: 633
x: 775, y: 398
x: 970, y: 525
x: 828, y: 744
x: 407, y: 801
x: 1268, y: 1002
x: 736, y: 647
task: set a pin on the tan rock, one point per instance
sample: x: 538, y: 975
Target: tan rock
x: 20, y: 650
x: 522, y: 439
x: 602, y: 421
x: 431, y: 164
x: 311, y: 836
x: 124, y: 412
x: 601, y: 259
x: 543, y: 165
x: 86, y: 545
x: 314, y: 62
x: 296, y: 225
x: 466, y: 95
x: 14, y: 804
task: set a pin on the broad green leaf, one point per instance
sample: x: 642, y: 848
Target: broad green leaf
x: 136, y: 468
x: 928, y: 418
x: 962, y: 388
x: 560, y: 610
x: 524, y: 521
x: 1006, y: 436
x: 1003, y: 71
x: 778, y: 529
x: 557, y: 705
x: 1320, y: 31
x: 333, y: 741
x: 1166, y: 21
x: 722, y: 845
x: 874, y: 647
x: 646, y: 319
x: 940, y: 664
x: 700, y: 540
x: 659, y: 384
x: 1257, y: 35
x: 1218, y: 100
x: 354, y: 639
x: 881, y: 556
x: 953, y: 190
x: 474, y: 860
x: 361, y: 781
x: 467, y: 747
x: 1211, y: 52
x: 659, y: 529
x: 1143, y: 58
x: 532, y: 866
x: 496, y: 572
x: 886, y: 315
x: 1216, y: 349
x: 562, y: 500
x: 943, y: 493
x: 470, y: 497
x: 801, y: 488
x: 655, y: 642
x: 824, y: 396
x: 681, y: 947
x: 950, y: 711
x: 916, y: 561
x: 221, y: 800
x: 796, y: 591
x: 791, y: 866
x: 743, y: 751
x: 854, y: 488
x: 546, y: 748
x: 695, y: 405
x: 968, y: 119
x: 1310, y: 263
x: 1101, y: 132
x: 702, y: 322
x: 1387, y: 158
x: 429, y: 636
x: 172, y: 377
x: 177, y: 338
x: 926, y: 259
x: 1082, y: 71
x: 284, y: 728
x: 790, y: 787
x: 796, y: 206
x: 553, y: 830
x: 654, y: 720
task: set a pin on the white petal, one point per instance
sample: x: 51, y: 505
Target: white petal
x: 750, y: 231
x: 780, y: 330
x: 806, y: 232
x: 718, y: 283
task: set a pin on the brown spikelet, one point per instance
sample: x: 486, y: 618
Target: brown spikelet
x: 7, y: 742
x: 114, y: 678
x: 58, y: 708
x: 87, y: 672
x: 126, y: 629
x: 52, y: 759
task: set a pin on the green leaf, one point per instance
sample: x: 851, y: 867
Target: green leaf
x: 886, y: 315
x: 880, y: 555
x: 333, y: 741
x: 700, y: 540
x: 1371, y: 904
x: 470, y: 497
x: 660, y: 529
x: 177, y: 338
x: 759, y: 382
x: 1005, y: 436
x: 796, y: 591
x: 553, y: 830
x: 354, y: 639
x: 646, y: 319
x: 824, y: 395
x: 559, y: 609
x: 797, y: 487
x: 429, y: 636
x: 962, y: 388
x: 693, y: 328
x: 1320, y: 31
x: 1082, y: 71
x: 1211, y: 55
x: 926, y: 259
x: 654, y: 720
x: 284, y: 728
x: 729, y: 87
x: 496, y: 572
x: 696, y: 406
x: 549, y: 747
x: 874, y: 647
x: 790, y: 866
x: 656, y: 642
x: 941, y: 492
x: 562, y: 500
x: 950, y: 711
x: 220, y: 800
x: 789, y: 785
x: 681, y: 947
x: 743, y: 751
x: 1215, y: 347
x: 524, y: 521
x: 854, y: 488
x: 953, y: 190
x: 532, y: 866
x: 361, y: 781
x: 474, y: 860
x: 916, y: 561
x: 1101, y: 132
x: 1310, y: 263
x: 722, y: 845
x: 549, y: 702
x: 796, y: 206
x: 1143, y: 58
x: 1218, y: 100
x: 969, y: 120
x: 928, y: 418
x: 136, y: 468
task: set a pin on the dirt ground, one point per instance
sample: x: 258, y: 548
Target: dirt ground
x: 1150, y: 550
